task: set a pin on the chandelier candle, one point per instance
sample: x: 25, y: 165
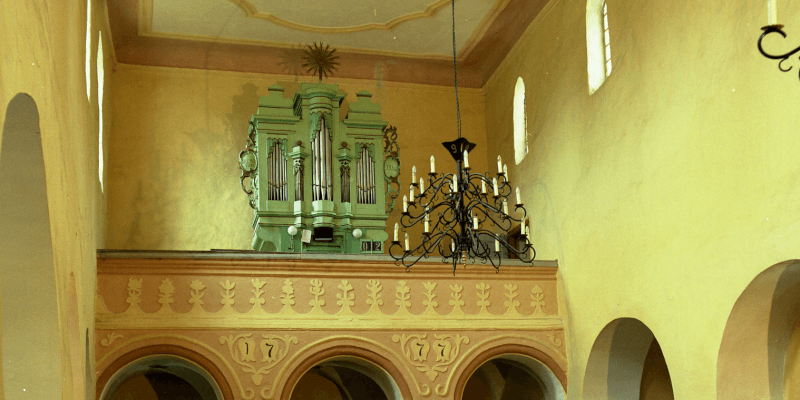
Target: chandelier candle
x: 413, y: 174
x: 427, y: 223
x: 518, y: 197
x: 466, y: 160
x: 772, y: 12
x: 499, y: 164
x: 396, y: 231
x: 433, y: 165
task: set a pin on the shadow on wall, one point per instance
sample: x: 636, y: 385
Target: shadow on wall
x: 513, y: 376
x: 30, y: 314
x: 347, y: 378
x: 759, y: 356
x: 626, y: 363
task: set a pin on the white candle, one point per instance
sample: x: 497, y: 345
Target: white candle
x: 475, y: 222
x: 772, y: 12
x: 396, y: 230
x: 466, y: 159
x: 505, y: 170
x: 528, y: 232
x: 405, y: 204
x: 433, y: 165
x: 483, y: 186
x: 505, y: 206
x: 452, y: 247
x: 455, y: 182
x: 406, y: 242
x: 518, y: 197
x: 421, y: 185
x: 413, y: 174
x: 499, y: 164
x: 411, y: 194
x: 427, y: 225
x: 494, y: 183
x: 496, y: 246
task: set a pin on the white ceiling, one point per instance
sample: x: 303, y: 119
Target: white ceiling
x: 401, y: 27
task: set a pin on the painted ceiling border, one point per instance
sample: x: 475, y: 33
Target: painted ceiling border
x: 145, y: 26
x: 252, y: 12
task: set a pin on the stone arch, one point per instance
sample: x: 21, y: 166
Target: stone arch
x: 359, y: 352
x: 30, y: 317
x: 532, y: 360
x: 620, y: 357
x: 140, y: 358
x: 194, y: 376
x: 761, y: 327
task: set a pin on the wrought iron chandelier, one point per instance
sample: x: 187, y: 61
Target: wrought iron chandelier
x: 462, y: 213
x: 774, y: 27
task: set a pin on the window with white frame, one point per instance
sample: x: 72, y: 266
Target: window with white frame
x: 606, y: 39
x: 598, y: 43
x: 520, y: 122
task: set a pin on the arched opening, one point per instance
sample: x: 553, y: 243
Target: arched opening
x: 161, y: 377
x: 626, y: 362
x: 346, y: 378
x: 520, y: 122
x: 31, y: 341
x: 758, y: 355
x: 513, y: 376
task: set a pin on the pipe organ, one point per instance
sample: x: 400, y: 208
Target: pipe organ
x: 335, y: 209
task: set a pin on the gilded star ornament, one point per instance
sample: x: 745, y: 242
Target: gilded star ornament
x: 319, y: 60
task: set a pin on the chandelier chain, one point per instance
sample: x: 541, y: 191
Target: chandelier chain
x: 455, y: 69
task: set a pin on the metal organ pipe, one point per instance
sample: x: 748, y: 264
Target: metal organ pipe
x: 271, y: 174
x: 324, y: 153
x: 371, y: 181
x: 281, y: 173
x: 315, y: 168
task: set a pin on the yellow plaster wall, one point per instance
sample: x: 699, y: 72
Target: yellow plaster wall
x: 173, y: 175
x: 669, y: 189
x: 42, y: 52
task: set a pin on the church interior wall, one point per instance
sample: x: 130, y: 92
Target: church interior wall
x: 664, y: 193
x: 43, y: 50
x: 173, y: 163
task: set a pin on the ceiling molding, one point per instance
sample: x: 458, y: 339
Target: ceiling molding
x: 251, y: 12
x: 480, y: 31
x: 292, y: 46
x: 489, y: 44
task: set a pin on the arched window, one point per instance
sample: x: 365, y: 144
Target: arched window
x: 520, y: 123
x: 606, y: 39
x: 598, y: 43
x: 88, y: 50
x: 100, y: 86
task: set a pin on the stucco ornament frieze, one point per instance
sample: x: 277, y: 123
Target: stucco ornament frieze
x: 416, y: 347
x: 417, y: 304
x: 257, y: 354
